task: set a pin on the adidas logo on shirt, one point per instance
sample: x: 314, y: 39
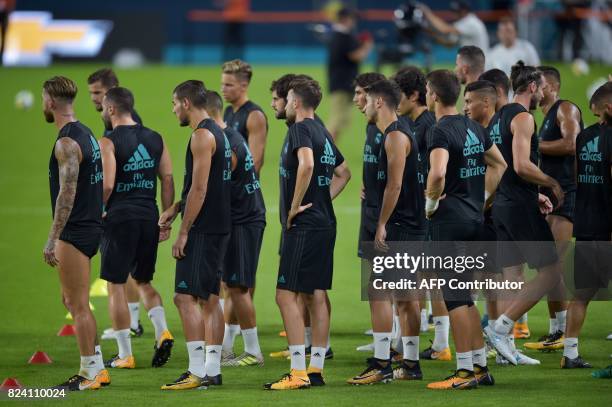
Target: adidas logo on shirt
x: 139, y: 160
x: 590, y: 152
x: 95, y: 149
x: 328, y: 156
x: 472, y: 144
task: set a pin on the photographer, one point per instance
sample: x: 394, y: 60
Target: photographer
x: 467, y: 29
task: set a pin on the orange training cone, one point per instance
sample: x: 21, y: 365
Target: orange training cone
x: 67, y: 330
x: 10, y: 383
x: 40, y: 358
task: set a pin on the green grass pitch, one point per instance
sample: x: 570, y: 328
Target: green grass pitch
x: 32, y: 313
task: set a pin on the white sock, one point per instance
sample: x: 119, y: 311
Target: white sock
x: 89, y: 367
x: 479, y: 357
x: 251, y: 342
x: 307, y: 336
x: 212, y: 366
x: 570, y: 348
x: 317, y: 357
x: 158, y: 319
x: 382, y: 345
x: 504, y: 325
x: 523, y: 319
x: 411, y: 348
x: 441, y: 327
x: 552, y: 325
x: 464, y: 361
x: 222, y: 304
x: 429, y: 310
x: 99, y: 358
x: 197, y: 356
x: 124, y: 342
x: 561, y: 318
x: 229, y: 337
x: 298, y: 357
x: 134, y: 308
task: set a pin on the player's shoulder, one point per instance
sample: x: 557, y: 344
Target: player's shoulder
x: 590, y: 131
x: 251, y: 106
x: 512, y: 110
x: 149, y: 132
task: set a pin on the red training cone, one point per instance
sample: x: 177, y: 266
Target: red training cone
x: 41, y: 358
x: 67, y: 330
x: 10, y: 383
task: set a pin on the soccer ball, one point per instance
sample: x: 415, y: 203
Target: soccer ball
x: 580, y: 67
x: 594, y: 86
x: 24, y: 99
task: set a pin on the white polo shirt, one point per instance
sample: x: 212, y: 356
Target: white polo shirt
x: 503, y: 58
x: 472, y: 31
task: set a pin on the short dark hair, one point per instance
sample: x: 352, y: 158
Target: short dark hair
x: 522, y: 75
x: 308, y: 91
x: 366, y: 79
x: 602, y: 95
x: 192, y: 90
x: 62, y: 88
x: 214, y: 103
x: 446, y: 85
x: 105, y: 76
x: 473, y: 56
x: 498, y: 78
x: 482, y: 87
x: 121, y: 98
x: 388, y: 90
x: 281, y: 85
x: 411, y: 79
x: 551, y: 73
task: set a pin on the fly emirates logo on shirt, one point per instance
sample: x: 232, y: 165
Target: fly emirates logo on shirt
x: 591, y: 155
x: 472, y: 146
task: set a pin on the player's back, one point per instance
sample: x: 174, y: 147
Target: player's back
x: 514, y: 190
x: 87, y: 207
x: 138, y: 152
x: 466, y: 142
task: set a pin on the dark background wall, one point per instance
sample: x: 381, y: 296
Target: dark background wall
x: 162, y: 29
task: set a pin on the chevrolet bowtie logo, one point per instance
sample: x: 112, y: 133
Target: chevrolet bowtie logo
x: 33, y: 37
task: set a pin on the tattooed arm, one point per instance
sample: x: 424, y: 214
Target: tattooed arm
x: 68, y: 155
